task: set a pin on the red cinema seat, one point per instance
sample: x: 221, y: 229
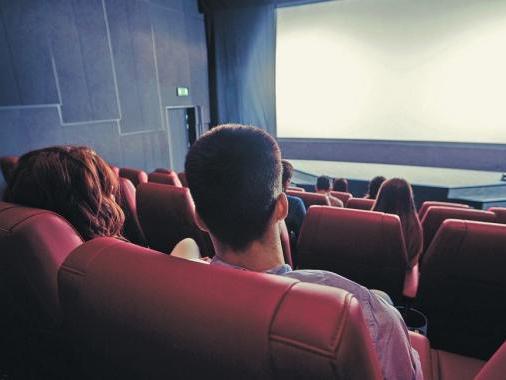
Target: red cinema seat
x: 134, y: 175
x: 7, y: 165
x: 425, y: 206
x: 33, y: 245
x: 167, y: 216
x: 360, y: 203
x: 295, y: 188
x: 495, y: 367
x: 169, y: 178
x: 436, y: 215
x: 342, y: 196
x: 182, y: 179
x: 366, y: 247
x: 463, y: 287
x: 500, y: 214
x: 310, y: 199
x: 137, y: 312
x: 132, y: 229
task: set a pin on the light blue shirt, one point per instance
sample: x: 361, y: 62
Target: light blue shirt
x: 398, y: 360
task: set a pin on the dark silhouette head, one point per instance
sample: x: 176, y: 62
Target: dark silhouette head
x: 234, y: 175
x: 340, y: 184
x: 323, y: 183
x: 374, y: 186
x: 287, y: 174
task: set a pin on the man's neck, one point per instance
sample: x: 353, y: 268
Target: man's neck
x: 259, y: 256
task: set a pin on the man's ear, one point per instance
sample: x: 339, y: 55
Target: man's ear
x: 200, y: 223
x: 281, y: 210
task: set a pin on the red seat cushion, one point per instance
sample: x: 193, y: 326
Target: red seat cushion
x: 342, y: 196
x: 134, y: 175
x: 132, y: 229
x: 169, y: 178
x: 425, y: 206
x: 310, y: 199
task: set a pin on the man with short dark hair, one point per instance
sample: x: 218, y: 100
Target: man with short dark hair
x: 234, y: 175
x: 323, y: 187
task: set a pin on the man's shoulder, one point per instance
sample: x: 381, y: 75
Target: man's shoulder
x: 323, y: 277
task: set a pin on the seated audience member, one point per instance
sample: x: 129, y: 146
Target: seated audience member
x: 221, y: 167
x: 76, y: 183
x: 340, y: 184
x: 323, y: 187
x: 296, y: 208
x: 395, y: 196
x: 374, y: 186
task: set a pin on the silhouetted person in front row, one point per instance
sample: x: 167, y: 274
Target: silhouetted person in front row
x: 374, y: 186
x: 244, y: 224
x: 340, y: 184
x: 395, y: 196
x: 323, y: 187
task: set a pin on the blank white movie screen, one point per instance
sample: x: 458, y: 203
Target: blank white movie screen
x: 412, y: 70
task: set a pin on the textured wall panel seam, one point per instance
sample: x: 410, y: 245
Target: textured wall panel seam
x: 85, y: 72
x: 113, y: 64
x: 143, y: 132
x: 55, y: 73
x: 159, y: 90
x: 28, y: 106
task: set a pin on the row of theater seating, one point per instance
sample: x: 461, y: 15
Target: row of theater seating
x: 167, y: 215
x: 371, y: 252
x: 115, y: 309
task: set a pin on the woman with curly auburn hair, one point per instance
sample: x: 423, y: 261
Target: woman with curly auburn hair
x: 72, y: 181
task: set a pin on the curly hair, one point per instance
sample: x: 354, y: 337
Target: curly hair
x: 73, y: 181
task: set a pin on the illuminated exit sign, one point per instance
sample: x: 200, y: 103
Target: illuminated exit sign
x: 183, y: 91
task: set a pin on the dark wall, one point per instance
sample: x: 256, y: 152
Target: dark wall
x: 99, y: 73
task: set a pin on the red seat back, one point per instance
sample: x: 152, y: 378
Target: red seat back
x: 425, y: 206
x: 167, y: 216
x: 33, y: 245
x: 500, y: 214
x: 360, y: 203
x: 115, y: 169
x: 463, y: 287
x: 169, y: 178
x: 436, y: 215
x: 132, y: 229
x: 134, y: 175
x: 366, y: 247
x: 7, y: 165
x: 155, y: 316
x: 342, y: 196
x: 295, y: 188
x: 310, y: 199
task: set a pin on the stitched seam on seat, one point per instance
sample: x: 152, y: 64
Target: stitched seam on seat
x: 343, y: 322
x: 304, y: 346
x: 81, y: 273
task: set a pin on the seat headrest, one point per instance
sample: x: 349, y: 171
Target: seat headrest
x: 166, y: 316
x: 169, y: 178
x: 167, y: 216
x: 310, y: 199
x: 136, y: 176
x: 360, y: 203
x: 435, y: 216
x: 132, y: 229
x: 33, y: 245
x: 427, y: 204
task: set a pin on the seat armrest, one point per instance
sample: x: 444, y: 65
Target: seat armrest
x: 421, y: 344
x: 411, y: 282
x: 495, y: 369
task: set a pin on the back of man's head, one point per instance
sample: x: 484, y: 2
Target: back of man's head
x: 323, y: 183
x: 287, y: 174
x: 234, y: 175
